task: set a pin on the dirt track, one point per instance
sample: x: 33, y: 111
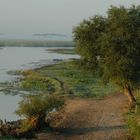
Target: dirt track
x: 89, y: 119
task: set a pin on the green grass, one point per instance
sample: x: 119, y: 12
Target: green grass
x: 133, y: 119
x: 133, y: 125
x: 36, y: 82
x: 79, y: 82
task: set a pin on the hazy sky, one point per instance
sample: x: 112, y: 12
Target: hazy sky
x: 50, y: 16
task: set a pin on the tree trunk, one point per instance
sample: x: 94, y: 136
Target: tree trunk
x: 129, y: 94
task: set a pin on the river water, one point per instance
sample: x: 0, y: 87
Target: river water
x: 20, y: 58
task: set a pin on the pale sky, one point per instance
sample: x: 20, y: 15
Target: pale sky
x: 51, y: 16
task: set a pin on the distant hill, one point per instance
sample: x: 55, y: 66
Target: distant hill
x: 36, y: 43
x: 38, y: 36
x: 36, y: 40
x: 51, y: 35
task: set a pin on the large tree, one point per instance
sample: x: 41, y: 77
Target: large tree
x: 86, y: 38
x: 115, y: 45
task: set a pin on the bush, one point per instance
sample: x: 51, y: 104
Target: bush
x: 36, y: 82
x: 37, y: 107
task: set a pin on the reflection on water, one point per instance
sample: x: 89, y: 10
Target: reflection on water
x: 15, y: 58
x: 8, y: 104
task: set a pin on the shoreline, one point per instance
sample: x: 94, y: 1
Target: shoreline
x: 71, y: 76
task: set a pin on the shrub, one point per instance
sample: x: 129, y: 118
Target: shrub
x: 36, y: 82
x: 37, y: 107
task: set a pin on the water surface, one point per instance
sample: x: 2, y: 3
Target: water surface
x: 19, y: 58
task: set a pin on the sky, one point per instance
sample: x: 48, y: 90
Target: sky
x: 51, y: 16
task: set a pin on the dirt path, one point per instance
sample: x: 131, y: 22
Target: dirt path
x: 89, y: 119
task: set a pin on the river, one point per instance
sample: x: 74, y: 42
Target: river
x: 20, y: 58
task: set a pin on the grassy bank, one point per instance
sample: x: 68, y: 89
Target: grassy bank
x: 68, y: 77
x: 76, y: 81
x: 50, y: 87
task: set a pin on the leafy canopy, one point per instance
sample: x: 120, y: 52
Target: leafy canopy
x: 86, y: 37
x: 112, y: 44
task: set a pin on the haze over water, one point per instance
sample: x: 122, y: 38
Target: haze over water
x: 51, y: 16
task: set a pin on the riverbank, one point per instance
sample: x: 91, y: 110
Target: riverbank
x: 81, y: 90
x: 66, y: 76
x: 80, y: 82
x: 100, y: 119
x: 20, y: 58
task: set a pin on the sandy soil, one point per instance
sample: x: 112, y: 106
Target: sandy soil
x: 89, y: 119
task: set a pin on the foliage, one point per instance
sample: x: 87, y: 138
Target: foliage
x: 35, y: 108
x: 86, y: 38
x: 39, y: 105
x: 112, y: 44
x: 121, y: 58
x: 36, y: 82
x: 134, y: 125
x: 76, y: 80
x: 133, y: 119
x: 112, y: 49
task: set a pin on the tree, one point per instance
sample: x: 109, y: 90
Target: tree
x: 86, y: 38
x: 117, y: 46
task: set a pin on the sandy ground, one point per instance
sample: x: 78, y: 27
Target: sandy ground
x: 90, y: 119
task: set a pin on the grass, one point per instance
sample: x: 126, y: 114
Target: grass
x: 133, y: 125
x: 77, y: 81
x: 36, y: 82
x: 66, y: 78
x: 133, y: 119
